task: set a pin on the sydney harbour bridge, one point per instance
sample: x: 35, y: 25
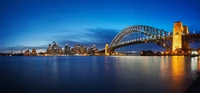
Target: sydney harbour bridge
x: 178, y: 40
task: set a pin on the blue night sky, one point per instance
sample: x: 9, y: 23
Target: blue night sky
x: 36, y: 23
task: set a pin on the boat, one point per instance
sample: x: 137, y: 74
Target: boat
x: 194, y: 55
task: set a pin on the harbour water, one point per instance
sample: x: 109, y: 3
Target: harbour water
x: 97, y: 74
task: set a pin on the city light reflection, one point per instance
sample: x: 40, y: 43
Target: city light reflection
x: 178, y: 71
x: 178, y: 65
x: 106, y: 64
x: 199, y: 65
x: 194, y: 63
x: 55, y: 67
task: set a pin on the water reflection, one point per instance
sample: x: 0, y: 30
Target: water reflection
x: 199, y: 64
x: 94, y: 64
x: 126, y: 74
x: 106, y: 64
x: 178, y: 73
x: 178, y: 65
x: 170, y: 72
x: 55, y: 67
x: 194, y: 63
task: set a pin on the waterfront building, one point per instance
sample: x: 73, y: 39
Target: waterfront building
x: 92, y: 50
x: 34, y: 53
x: 27, y: 53
x: 54, y: 49
x: 72, y: 51
x: 84, y: 50
x: 79, y: 49
x: 67, y: 49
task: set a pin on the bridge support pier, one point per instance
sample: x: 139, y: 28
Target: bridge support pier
x: 185, y: 43
x: 180, y: 45
x: 111, y: 51
x: 177, y: 36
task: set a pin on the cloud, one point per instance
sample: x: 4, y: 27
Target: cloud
x: 103, y: 35
x: 88, y: 37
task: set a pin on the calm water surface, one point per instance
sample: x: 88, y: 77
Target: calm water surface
x: 92, y: 74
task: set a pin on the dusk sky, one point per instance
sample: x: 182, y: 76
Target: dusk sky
x: 36, y: 23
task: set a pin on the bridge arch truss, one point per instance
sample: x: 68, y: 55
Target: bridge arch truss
x: 140, y: 34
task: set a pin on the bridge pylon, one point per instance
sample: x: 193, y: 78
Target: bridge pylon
x: 177, y: 36
x: 185, y: 42
x: 178, y: 42
x: 106, y: 50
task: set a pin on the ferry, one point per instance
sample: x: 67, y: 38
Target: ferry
x: 194, y: 54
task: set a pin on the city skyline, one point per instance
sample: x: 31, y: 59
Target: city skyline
x: 36, y: 23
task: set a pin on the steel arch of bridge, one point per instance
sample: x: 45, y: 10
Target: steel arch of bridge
x: 154, y: 34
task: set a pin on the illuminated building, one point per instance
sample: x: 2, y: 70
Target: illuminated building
x: 34, y: 53
x: 84, y: 50
x: 72, y: 51
x: 79, y: 49
x: 67, y: 49
x: 27, y: 53
x: 92, y: 50
x: 54, y: 49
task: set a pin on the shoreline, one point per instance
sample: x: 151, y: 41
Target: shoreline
x: 195, y: 86
x: 101, y: 55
